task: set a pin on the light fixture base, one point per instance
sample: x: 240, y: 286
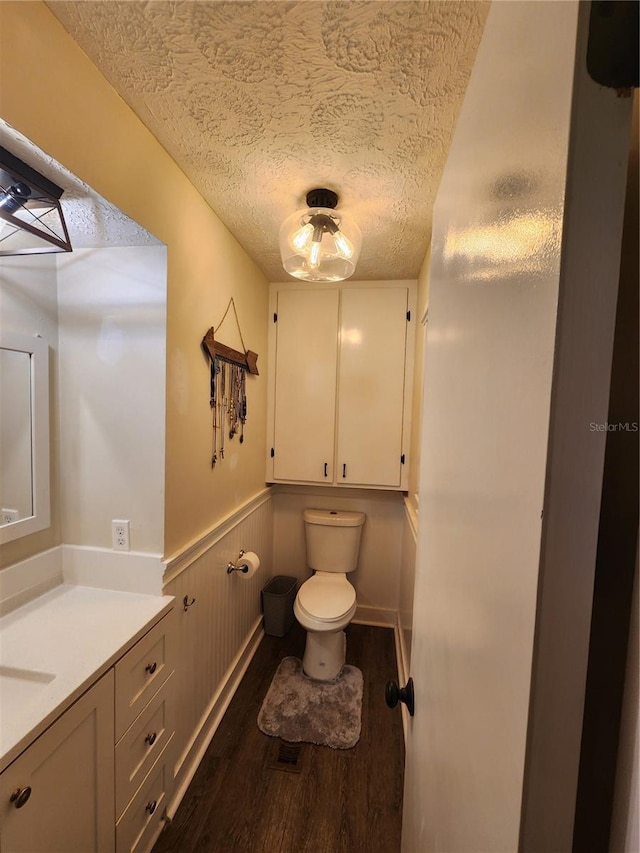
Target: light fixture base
x: 322, y: 198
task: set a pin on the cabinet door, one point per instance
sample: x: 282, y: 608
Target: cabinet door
x: 371, y: 390
x: 69, y: 770
x: 305, y: 385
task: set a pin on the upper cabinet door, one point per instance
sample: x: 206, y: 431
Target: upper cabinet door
x: 371, y: 386
x: 305, y: 385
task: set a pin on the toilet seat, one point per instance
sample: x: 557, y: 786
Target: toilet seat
x: 326, y: 597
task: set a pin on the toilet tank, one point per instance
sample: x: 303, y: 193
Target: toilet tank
x: 333, y: 539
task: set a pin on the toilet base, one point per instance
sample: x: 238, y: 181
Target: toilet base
x: 324, y: 654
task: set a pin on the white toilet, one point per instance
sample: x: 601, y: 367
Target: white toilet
x: 326, y: 603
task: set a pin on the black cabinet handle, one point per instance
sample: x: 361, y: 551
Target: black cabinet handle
x: 151, y: 668
x: 20, y: 797
x: 151, y: 807
x: 394, y: 694
x: 344, y: 470
x: 151, y: 739
x: 326, y: 466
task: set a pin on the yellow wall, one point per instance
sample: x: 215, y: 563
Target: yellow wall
x: 51, y: 92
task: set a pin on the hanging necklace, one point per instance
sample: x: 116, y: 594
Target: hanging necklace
x: 223, y: 406
x: 215, y: 367
x: 243, y: 403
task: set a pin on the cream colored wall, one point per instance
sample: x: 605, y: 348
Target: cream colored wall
x: 112, y: 331
x: 63, y: 104
x: 28, y: 304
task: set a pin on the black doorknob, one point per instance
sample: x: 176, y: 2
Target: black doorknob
x: 394, y: 694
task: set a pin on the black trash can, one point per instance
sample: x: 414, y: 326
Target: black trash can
x: 277, y: 605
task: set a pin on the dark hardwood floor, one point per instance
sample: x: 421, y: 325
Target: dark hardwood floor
x: 341, y: 801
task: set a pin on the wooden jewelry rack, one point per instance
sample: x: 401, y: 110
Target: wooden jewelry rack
x: 215, y: 349
x: 228, y: 403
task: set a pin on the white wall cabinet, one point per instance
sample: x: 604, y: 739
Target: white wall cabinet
x: 65, y: 779
x: 340, y: 384
x: 100, y: 777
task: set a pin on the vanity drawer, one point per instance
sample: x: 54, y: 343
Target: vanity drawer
x: 139, y: 824
x: 141, y: 672
x: 139, y: 747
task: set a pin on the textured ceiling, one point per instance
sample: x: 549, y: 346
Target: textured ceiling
x: 260, y: 101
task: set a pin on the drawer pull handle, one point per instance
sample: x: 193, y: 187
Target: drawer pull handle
x: 151, y: 668
x: 151, y: 807
x: 151, y: 739
x: 20, y: 797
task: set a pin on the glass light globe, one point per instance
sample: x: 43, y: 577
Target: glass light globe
x: 319, y: 244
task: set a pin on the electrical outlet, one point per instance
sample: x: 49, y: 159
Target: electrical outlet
x: 9, y: 515
x: 120, y: 535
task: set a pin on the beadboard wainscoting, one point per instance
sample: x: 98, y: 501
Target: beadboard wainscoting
x: 376, y: 578
x: 219, y: 632
x: 404, y: 626
x: 407, y: 580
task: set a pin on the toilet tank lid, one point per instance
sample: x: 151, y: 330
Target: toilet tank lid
x: 335, y: 518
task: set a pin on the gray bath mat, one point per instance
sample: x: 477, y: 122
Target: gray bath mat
x: 297, y: 708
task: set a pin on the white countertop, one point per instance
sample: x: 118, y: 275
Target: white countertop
x: 53, y: 648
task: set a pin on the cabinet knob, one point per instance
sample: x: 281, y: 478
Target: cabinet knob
x: 151, y: 668
x: 151, y: 738
x: 20, y: 797
x: 151, y: 807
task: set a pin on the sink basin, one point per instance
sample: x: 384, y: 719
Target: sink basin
x: 14, y: 672
x: 20, y: 687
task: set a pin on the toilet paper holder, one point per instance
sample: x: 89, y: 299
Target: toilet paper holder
x: 239, y: 566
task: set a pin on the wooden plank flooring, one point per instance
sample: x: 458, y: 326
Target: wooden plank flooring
x: 342, y: 801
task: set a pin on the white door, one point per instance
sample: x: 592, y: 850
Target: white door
x: 305, y: 385
x: 511, y: 384
x: 373, y: 333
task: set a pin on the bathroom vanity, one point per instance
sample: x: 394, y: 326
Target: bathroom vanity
x: 86, y: 721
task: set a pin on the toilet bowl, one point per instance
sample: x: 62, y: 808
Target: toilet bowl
x: 326, y: 602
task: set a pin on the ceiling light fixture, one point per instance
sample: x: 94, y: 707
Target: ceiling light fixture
x: 31, y: 220
x: 319, y: 244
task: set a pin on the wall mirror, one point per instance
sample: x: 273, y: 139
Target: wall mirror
x: 24, y: 435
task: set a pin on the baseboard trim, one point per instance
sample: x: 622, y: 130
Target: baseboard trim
x: 378, y: 617
x: 188, y: 763
x: 403, y: 674
x: 176, y: 564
